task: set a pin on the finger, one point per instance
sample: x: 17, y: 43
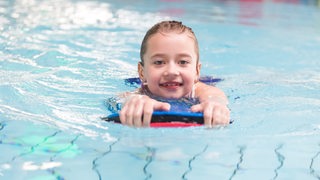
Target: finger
x: 128, y: 116
x: 226, y: 115
x: 221, y: 116
x: 122, y: 114
x: 137, y: 113
x: 207, y: 115
x: 218, y: 117
x: 147, y: 113
x: 197, y: 108
x: 161, y: 106
x: 131, y: 107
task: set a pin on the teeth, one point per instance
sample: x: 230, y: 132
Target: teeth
x: 171, y: 84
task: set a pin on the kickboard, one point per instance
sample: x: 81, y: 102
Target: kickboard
x: 168, y: 119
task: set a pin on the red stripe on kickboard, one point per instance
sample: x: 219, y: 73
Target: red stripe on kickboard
x: 173, y: 124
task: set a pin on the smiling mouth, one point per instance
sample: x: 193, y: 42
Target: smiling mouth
x: 171, y: 84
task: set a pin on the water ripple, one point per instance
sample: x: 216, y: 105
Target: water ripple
x: 238, y: 166
x: 184, y: 176
x: 95, y: 161
x: 149, y: 159
x: 313, y: 171
x: 281, y: 159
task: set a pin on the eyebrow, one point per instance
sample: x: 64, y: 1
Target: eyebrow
x: 184, y: 55
x: 158, y: 55
x: 164, y: 55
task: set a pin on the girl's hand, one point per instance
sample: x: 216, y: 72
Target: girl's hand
x: 214, y: 112
x: 137, y: 110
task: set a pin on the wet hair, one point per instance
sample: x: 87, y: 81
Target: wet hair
x: 167, y: 27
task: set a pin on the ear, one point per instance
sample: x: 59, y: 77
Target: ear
x: 140, y: 71
x: 198, y: 71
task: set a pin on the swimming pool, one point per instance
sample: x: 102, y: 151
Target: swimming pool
x: 59, y: 61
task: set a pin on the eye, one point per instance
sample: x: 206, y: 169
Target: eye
x: 183, y: 62
x: 158, y: 62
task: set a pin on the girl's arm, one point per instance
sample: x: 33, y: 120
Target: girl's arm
x: 204, y: 92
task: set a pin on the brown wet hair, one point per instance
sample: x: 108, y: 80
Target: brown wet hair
x: 167, y: 27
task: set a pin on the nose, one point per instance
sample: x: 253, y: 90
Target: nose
x: 171, y: 70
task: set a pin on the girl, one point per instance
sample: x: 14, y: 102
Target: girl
x: 170, y: 69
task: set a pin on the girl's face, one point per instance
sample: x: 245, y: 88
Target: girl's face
x: 170, y: 65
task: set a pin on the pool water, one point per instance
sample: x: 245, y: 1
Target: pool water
x: 60, y: 60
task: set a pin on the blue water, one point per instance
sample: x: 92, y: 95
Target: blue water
x: 59, y: 61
